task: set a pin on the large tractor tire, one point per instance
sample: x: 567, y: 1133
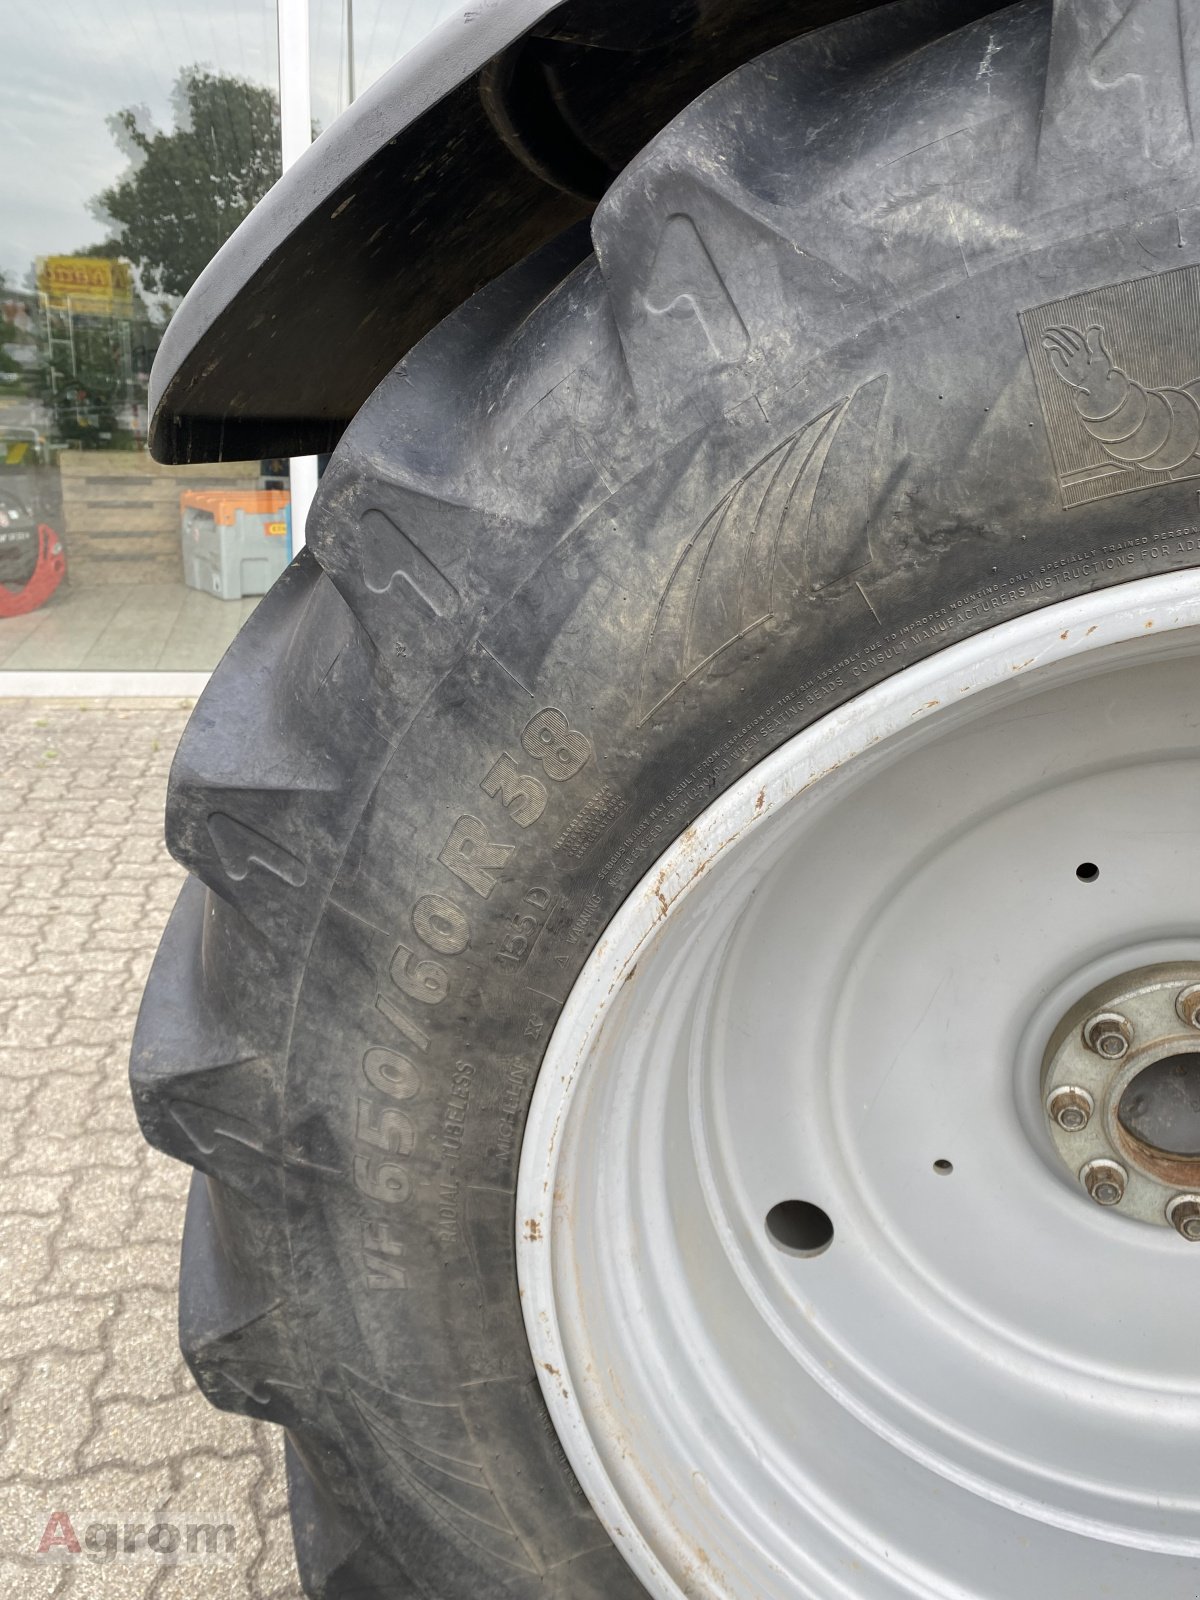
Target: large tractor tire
x: 735, y: 690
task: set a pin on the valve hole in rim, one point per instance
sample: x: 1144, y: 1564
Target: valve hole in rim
x: 800, y: 1228
x: 943, y: 1166
x: 1087, y: 872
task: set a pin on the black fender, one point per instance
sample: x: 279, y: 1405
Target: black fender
x: 494, y: 136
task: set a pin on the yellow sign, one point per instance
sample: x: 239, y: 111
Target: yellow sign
x: 93, y: 284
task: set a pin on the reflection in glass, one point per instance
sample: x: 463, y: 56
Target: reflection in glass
x: 136, y: 146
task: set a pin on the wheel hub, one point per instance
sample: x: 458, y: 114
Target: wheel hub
x: 1121, y: 1088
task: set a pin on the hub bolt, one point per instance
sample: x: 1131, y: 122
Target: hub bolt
x: 1183, y: 1213
x: 1109, y: 1034
x: 1105, y: 1181
x: 1187, y: 1004
x: 1071, y: 1108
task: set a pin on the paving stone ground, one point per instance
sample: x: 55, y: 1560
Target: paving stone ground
x: 99, y: 1418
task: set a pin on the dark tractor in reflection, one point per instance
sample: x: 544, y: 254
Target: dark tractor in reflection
x: 18, y: 540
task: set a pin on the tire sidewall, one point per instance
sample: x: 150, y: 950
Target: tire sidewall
x: 538, y: 784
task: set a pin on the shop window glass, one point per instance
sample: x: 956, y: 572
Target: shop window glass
x: 354, y: 42
x: 135, y: 140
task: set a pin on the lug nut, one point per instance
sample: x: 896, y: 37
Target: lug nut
x: 1109, y: 1034
x: 1105, y: 1181
x: 1071, y: 1108
x: 1187, y: 1004
x: 1183, y: 1213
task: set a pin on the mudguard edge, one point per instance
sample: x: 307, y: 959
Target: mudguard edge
x: 493, y: 136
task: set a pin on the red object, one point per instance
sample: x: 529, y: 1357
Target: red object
x: 46, y: 577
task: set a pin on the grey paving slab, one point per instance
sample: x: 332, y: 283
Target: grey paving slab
x: 99, y: 1419
x: 135, y: 635
x: 163, y: 627
x: 202, y: 632
x: 15, y: 630
x: 68, y: 625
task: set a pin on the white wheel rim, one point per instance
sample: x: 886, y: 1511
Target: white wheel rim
x: 985, y: 1386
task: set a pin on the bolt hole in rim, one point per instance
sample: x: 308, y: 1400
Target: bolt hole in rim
x: 933, y: 1403
x: 800, y: 1228
x: 1087, y: 872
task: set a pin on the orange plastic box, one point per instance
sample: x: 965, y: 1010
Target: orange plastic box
x: 235, y: 541
x: 224, y: 504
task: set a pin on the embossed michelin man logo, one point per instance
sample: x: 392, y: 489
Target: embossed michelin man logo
x: 1118, y: 374
x: 1158, y: 429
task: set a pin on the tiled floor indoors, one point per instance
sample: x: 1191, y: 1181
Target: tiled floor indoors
x: 147, y: 627
x: 99, y: 1419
